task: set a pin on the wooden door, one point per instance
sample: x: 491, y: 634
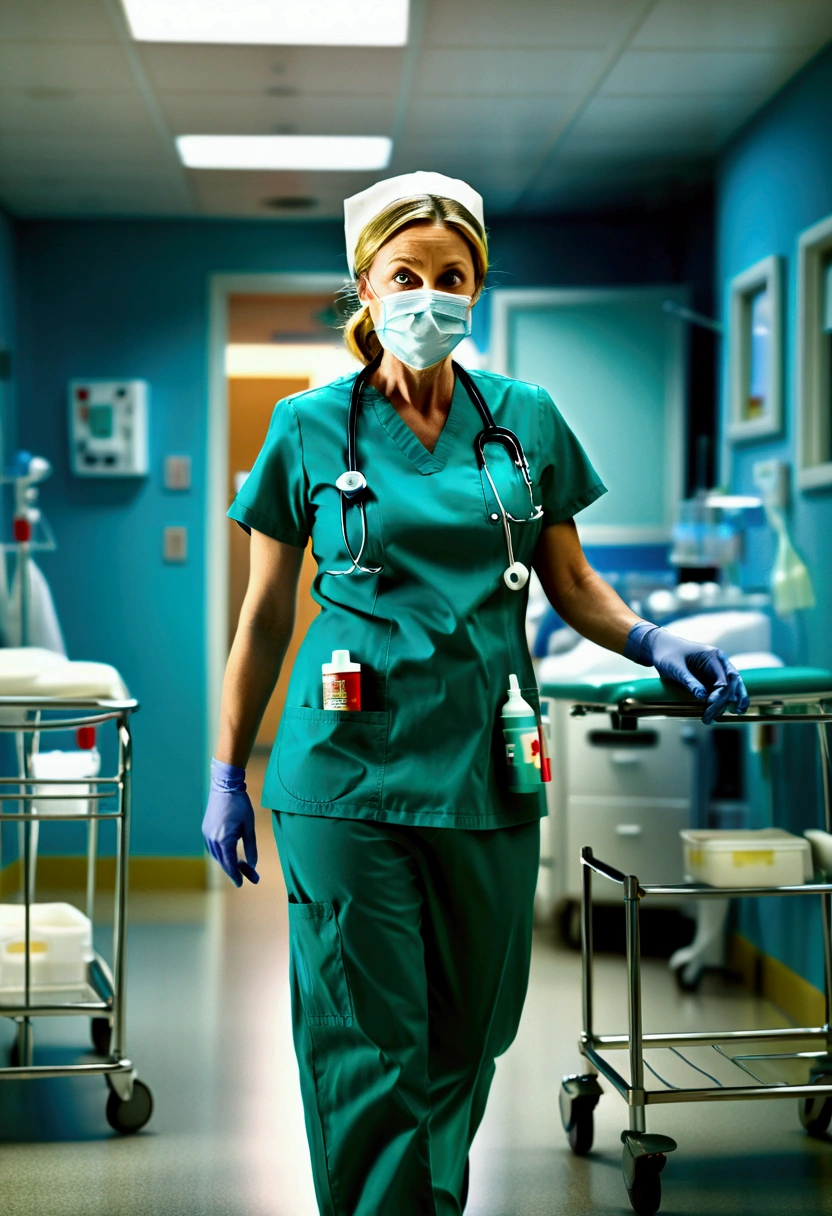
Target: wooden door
x: 251, y: 401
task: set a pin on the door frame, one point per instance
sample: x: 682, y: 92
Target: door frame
x: 221, y: 286
x: 505, y: 300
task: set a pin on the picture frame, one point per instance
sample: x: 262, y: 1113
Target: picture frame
x: 755, y: 351
x: 814, y: 357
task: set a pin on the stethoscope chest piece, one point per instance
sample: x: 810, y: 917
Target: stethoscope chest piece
x: 351, y: 483
x: 516, y: 576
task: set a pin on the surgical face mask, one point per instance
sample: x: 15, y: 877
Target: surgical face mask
x: 422, y: 327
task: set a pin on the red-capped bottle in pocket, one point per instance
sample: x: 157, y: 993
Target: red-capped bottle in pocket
x: 342, y: 682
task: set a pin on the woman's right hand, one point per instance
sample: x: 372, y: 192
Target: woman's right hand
x: 229, y: 817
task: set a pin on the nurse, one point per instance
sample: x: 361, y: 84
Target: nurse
x: 409, y: 863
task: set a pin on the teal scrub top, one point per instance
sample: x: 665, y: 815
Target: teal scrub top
x: 437, y: 632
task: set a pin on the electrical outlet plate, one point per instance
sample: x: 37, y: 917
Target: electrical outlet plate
x: 177, y: 472
x: 176, y: 544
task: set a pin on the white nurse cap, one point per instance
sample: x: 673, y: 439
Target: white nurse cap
x: 363, y: 207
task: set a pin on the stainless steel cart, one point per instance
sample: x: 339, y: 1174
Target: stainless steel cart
x: 782, y: 1063
x: 101, y: 996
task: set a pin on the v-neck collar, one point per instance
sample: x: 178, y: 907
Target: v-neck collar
x: 408, y: 440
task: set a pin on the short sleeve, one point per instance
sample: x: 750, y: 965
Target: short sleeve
x: 568, y: 481
x: 272, y: 499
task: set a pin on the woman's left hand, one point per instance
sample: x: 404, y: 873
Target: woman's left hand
x: 704, y: 670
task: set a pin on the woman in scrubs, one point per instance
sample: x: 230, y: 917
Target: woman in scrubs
x: 409, y: 863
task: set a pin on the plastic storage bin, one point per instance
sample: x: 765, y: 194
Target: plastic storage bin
x: 70, y: 765
x: 60, y: 945
x: 768, y: 857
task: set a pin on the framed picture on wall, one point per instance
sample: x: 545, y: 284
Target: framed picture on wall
x: 814, y: 356
x: 755, y: 351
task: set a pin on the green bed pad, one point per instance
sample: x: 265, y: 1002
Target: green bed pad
x: 761, y: 682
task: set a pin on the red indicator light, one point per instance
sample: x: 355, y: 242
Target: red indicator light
x: 82, y: 393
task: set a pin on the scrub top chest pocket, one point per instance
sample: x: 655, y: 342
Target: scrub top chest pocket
x: 327, y: 755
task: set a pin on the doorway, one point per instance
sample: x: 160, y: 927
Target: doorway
x: 272, y: 336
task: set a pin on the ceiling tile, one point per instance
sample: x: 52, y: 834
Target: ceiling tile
x: 286, y: 71
x: 257, y: 114
x: 247, y: 193
x: 61, y: 65
x: 675, y: 72
x: 56, y: 21
x: 736, y: 24
x: 86, y: 114
x: 527, y: 23
x: 685, y: 118
x: 505, y: 117
x: 506, y: 72
x: 28, y: 197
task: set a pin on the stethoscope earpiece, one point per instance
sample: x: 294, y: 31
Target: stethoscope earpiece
x: 516, y: 576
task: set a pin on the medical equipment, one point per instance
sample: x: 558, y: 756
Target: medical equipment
x: 29, y: 616
x: 352, y: 484
x: 342, y: 682
x: 108, y: 430
x: 682, y: 1062
x: 48, y: 983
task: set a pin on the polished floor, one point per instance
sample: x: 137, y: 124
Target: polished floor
x: 210, y: 1034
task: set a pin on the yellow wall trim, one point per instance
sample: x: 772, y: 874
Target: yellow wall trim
x: 801, y: 1001
x: 146, y: 874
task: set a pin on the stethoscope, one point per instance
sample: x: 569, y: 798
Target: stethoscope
x: 352, y: 483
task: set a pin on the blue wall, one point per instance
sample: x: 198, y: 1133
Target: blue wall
x: 774, y: 181
x: 126, y: 299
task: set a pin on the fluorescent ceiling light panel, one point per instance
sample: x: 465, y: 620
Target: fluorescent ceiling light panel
x: 270, y: 22
x: 285, y: 151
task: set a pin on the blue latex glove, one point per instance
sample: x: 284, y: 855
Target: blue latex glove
x: 703, y: 670
x: 229, y: 817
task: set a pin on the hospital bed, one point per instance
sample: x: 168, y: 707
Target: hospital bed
x: 705, y: 1065
x: 41, y: 693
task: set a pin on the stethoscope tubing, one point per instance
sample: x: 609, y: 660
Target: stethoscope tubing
x: 491, y: 433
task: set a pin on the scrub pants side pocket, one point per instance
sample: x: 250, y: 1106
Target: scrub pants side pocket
x: 315, y: 941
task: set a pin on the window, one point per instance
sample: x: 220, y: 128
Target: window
x: 755, y: 352
x: 815, y: 356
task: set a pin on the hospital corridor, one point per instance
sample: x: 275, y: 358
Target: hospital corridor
x: 415, y: 604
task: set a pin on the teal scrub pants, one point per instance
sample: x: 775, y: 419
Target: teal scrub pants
x: 410, y: 952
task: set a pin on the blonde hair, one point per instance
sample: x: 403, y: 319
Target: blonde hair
x: 359, y: 334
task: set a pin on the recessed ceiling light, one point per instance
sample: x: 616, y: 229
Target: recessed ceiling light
x: 285, y: 151
x: 270, y: 22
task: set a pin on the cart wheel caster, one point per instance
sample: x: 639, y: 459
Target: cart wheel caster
x: 582, y: 1130
x: 131, y: 1116
x: 466, y: 1180
x: 816, y: 1113
x: 578, y: 1099
x: 642, y: 1161
x: 645, y: 1194
x: 101, y: 1032
x: 683, y: 983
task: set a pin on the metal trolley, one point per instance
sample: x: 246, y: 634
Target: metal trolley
x: 775, y: 1063
x: 101, y: 996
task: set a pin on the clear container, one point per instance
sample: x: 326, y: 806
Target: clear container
x: 71, y: 766
x: 767, y: 857
x: 60, y: 945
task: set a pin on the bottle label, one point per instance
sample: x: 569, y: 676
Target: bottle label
x: 342, y: 690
